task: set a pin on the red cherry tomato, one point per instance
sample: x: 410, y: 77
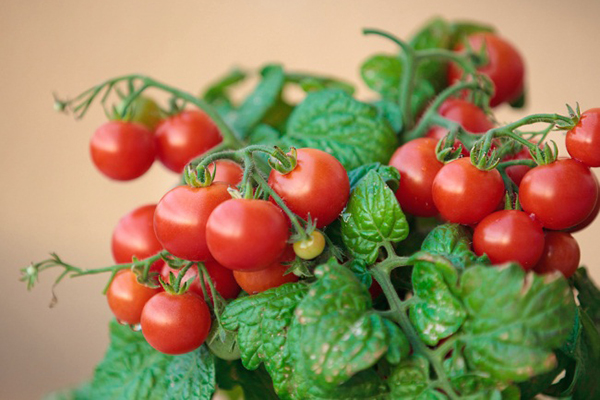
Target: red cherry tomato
x: 583, y: 141
x: 185, y: 136
x: 505, y: 67
x: 509, y: 235
x: 122, y: 150
x: 126, y: 297
x: 418, y: 166
x: 134, y: 236
x: 222, y: 278
x: 561, y: 194
x: 175, y: 324
x: 246, y: 235
x: 227, y: 171
x: 517, y: 172
x: 258, y: 281
x: 561, y: 253
x: 590, y: 218
x: 180, y: 219
x: 316, y: 172
x: 464, y: 194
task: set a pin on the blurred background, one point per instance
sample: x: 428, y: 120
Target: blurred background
x: 54, y: 200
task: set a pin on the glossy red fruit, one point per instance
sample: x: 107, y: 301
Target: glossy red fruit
x: 122, y: 150
x: 134, y: 237
x: 509, y: 235
x: 561, y: 194
x: 227, y: 171
x: 505, y: 66
x: 590, y: 218
x: 418, y: 165
x: 464, y: 194
x: 185, y: 136
x: 583, y: 141
x: 175, y: 324
x: 126, y: 297
x: 561, y: 253
x: 246, y: 234
x: 517, y: 172
x: 181, y: 216
x: 318, y: 186
x: 222, y: 279
x: 273, y: 276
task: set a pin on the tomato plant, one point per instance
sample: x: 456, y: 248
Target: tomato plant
x: 504, y: 66
x: 181, y: 216
x: 246, y: 235
x: 465, y: 194
x: 127, y: 297
x: 175, y: 323
x: 315, y: 172
x: 561, y: 253
x: 183, y: 137
x: 122, y: 150
x: 583, y: 141
x: 418, y: 165
x: 560, y: 194
x: 509, y: 235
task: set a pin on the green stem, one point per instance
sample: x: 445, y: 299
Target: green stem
x: 216, y: 297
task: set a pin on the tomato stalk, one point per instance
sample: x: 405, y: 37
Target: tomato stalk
x: 217, y: 300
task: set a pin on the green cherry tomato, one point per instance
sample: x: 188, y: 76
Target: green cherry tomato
x: 142, y: 110
x: 310, y: 248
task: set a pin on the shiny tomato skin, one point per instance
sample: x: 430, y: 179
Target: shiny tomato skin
x: 505, y: 67
x: 517, y: 172
x: 561, y: 253
x: 180, y: 219
x: 561, y: 194
x: 247, y: 234
x: 418, y: 165
x: 175, y: 324
x: 122, y: 150
x: 509, y: 235
x: 583, y: 141
x: 258, y: 281
x: 126, y: 297
x: 590, y: 218
x: 134, y: 236
x: 222, y: 279
x: 464, y: 194
x: 185, y: 136
x: 227, y: 171
x: 318, y: 186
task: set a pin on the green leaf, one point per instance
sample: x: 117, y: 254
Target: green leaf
x: 389, y: 174
x: 410, y: 381
x: 471, y: 384
x: 462, y: 29
x: 131, y: 369
x: 514, y: 320
x: 372, y: 218
x: 382, y: 73
x: 217, y: 92
x: 259, y: 102
x: 588, y: 294
x: 391, y: 112
x: 453, y: 241
x: 262, y: 322
x: 256, y: 384
x: 436, y: 34
x: 311, y: 82
x: 83, y: 392
x: 436, y: 313
x: 337, y: 334
x: 332, y: 121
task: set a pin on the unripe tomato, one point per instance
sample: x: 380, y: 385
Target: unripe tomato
x: 142, y: 110
x: 310, y: 248
x: 318, y: 186
x: 126, y: 297
x: 122, y: 150
x: 561, y: 253
x: 185, y: 136
x: 583, y: 141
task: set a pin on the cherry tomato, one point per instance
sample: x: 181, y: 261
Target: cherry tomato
x: 222, y: 279
x: 590, y: 218
x: 134, y: 237
x: 505, y: 66
x: 509, y: 235
x: 185, y: 136
x: 583, y: 141
x: 126, y: 297
x: 517, y: 172
x: 180, y: 219
x: 310, y: 248
x: 143, y: 110
x: 258, y: 281
x: 560, y: 194
x: 246, y: 234
x: 227, y: 171
x: 465, y: 194
x: 318, y: 186
x: 175, y: 324
x: 561, y: 253
x: 418, y: 166
x: 122, y: 150
x: 467, y: 114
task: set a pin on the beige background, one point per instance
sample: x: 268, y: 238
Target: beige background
x: 52, y: 198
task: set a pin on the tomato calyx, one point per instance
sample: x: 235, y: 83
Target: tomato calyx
x: 176, y: 285
x: 282, y: 162
x: 200, y: 177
